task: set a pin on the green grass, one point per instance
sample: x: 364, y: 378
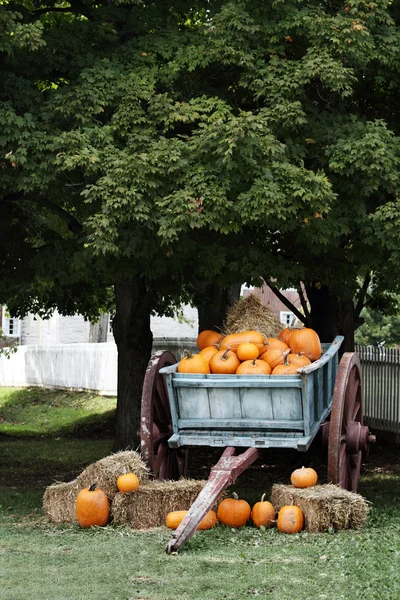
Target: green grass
x: 36, y: 411
x: 40, y: 560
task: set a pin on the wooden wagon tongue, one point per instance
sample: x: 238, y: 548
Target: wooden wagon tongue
x: 222, y: 475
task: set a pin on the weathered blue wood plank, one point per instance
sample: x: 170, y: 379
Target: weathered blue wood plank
x: 244, y: 442
x: 239, y: 423
x: 265, y: 381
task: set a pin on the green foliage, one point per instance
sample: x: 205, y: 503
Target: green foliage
x: 132, y: 133
x: 379, y: 328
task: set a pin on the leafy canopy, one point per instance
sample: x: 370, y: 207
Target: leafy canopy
x: 216, y: 140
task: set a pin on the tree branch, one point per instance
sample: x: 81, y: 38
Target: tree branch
x: 287, y: 302
x: 361, y: 296
x: 304, y: 306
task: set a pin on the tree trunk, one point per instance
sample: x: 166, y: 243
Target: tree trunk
x: 331, y: 316
x: 98, y: 330
x: 217, y: 301
x: 132, y: 333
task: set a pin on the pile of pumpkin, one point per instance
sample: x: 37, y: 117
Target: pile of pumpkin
x: 235, y: 512
x: 93, y: 507
x: 249, y: 353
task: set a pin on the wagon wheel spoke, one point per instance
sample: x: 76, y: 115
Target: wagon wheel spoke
x: 156, y: 423
x: 347, y: 436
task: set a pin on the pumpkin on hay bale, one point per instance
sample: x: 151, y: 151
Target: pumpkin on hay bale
x: 324, y: 506
x: 60, y: 498
x: 249, y: 314
x: 107, y: 470
x: 149, y: 506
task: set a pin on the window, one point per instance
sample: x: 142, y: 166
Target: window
x: 286, y: 318
x: 10, y: 326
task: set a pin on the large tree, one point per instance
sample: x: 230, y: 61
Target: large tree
x: 156, y: 149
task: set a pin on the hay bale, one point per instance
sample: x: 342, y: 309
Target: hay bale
x: 324, y: 506
x: 149, y: 505
x: 106, y: 471
x: 59, y: 501
x: 249, y: 314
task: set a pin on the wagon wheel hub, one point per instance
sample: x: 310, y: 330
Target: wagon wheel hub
x: 345, y: 435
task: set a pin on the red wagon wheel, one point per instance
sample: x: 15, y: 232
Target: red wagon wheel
x: 345, y: 434
x: 156, y: 423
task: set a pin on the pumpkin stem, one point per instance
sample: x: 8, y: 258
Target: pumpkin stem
x: 262, y: 497
x: 285, y: 359
x: 225, y: 354
x: 188, y: 354
x: 235, y: 496
x: 253, y: 363
x: 93, y: 487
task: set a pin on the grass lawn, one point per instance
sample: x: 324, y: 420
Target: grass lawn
x: 42, y: 560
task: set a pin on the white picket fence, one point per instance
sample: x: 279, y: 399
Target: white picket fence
x: 90, y: 367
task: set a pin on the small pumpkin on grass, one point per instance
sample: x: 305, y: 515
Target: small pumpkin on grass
x: 290, y: 519
x: 304, y: 477
x: 263, y: 513
x: 193, y: 363
x: 128, y: 482
x: 92, y: 507
x: 233, y: 511
x: 175, y: 518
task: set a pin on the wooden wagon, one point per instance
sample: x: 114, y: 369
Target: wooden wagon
x: 251, y: 412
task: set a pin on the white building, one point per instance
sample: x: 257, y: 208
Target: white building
x: 33, y: 330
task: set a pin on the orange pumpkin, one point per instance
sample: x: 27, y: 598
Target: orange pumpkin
x: 298, y: 359
x: 247, y: 351
x: 208, y: 337
x: 275, y: 343
x: 92, y: 507
x: 253, y: 367
x: 290, y: 519
x: 285, y: 334
x: 263, y: 513
x: 234, y: 512
x: 208, y: 352
x: 193, y: 363
x: 128, y: 482
x: 274, y: 357
x: 224, y: 362
x: 306, y: 340
x: 175, y: 518
x: 285, y: 369
x: 233, y: 340
x: 304, y: 477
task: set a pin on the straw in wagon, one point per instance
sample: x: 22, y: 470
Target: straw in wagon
x: 59, y: 501
x: 107, y: 470
x: 249, y: 314
x: 150, y: 504
x: 324, y: 506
